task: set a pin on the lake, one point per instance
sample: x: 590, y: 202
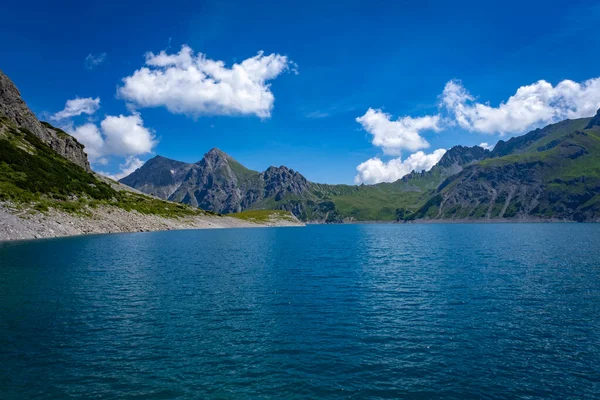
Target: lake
x: 328, y: 311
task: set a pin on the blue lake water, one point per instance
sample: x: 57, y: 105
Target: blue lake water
x: 338, y: 311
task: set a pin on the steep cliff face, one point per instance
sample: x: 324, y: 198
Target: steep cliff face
x: 15, y: 111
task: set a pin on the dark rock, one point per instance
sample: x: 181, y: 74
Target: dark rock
x: 595, y: 121
x: 13, y: 108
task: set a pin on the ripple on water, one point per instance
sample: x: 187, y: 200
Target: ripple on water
x: 350, y: 311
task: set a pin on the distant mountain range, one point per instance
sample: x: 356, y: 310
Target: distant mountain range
x: 548, y: 174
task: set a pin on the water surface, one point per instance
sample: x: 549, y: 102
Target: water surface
x: 348, y: 311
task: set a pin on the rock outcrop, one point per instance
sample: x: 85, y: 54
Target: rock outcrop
x: 461, y: 156
x: 594, y: 122
x: 15, y: 111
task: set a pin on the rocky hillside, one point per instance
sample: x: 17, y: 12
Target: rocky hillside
x: 217, y: 182
x: 15, y: 112
x: 549, y: 173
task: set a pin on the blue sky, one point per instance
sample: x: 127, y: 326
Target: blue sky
x: 448, y: 69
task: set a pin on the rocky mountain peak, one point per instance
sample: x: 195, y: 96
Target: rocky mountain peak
x: 214, y: 158
x: 282, y: 169
x: 462, y: 155
x: 160, y: 161
x: 280, y: 181
x: 595, y: 121
x: 215, y: 153
x: 15, y: 110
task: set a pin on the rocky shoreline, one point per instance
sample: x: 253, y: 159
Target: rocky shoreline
x: 20, y: 223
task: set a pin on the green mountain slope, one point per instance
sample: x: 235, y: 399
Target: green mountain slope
x: 550, y: 173
x: 221, y: 184
x: 33, y: 173
x: 43, y: 167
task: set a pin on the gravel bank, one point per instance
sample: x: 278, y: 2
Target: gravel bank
x: 16, y: 224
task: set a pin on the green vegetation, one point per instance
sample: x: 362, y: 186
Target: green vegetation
x: 264, y: 216
x: 552, y: 172
x: 336, y: 203
x: 32, y: 173
x: 243, y: 173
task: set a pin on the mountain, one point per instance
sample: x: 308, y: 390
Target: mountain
x: 43, y: 167
x: 551, y: 173
x: 221, y: 184
x: 159, y: 177
x: 217, y: 182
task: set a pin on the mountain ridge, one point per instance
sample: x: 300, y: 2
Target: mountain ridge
x: 220, y: 183
x: 512, y: 181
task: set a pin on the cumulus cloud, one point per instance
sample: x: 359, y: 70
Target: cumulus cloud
x: 531, y: 106
x: 128, y: 167
x: 117, y: 136
x: 396, y: 135
x: 93, y: 60
x: 78, y: 106
x: 89, y: 135
x: 375, y: 170
x: 190, y: 83
x: 486, y: 146
x: 125, y: 135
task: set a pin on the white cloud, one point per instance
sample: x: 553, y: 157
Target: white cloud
x: 128, y: 167
x: 78, y: 106
x: 93, y: 60
x: 117, y: 135
x: 126, y: 135
x: 375, y: 170
x: 403, y: 133
x: 486, y: 146
x: 531, y: 106
x: 89, y: 135
x: 189, y: 83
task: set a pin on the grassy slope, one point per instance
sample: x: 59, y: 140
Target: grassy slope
x: 264, y: 216
x: 32, y: 173
x: 364, y: 203
x: 557, y: 151
x: 381, y: 201
x: 565, y: 155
